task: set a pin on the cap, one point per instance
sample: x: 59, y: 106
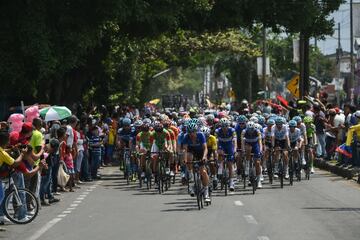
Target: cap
x: 26, y: 127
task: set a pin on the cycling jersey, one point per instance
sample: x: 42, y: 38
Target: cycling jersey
x: 143, y: 138
x: 197, y: 145
x: 295, y: 135
x: 302, y: 128
x: 211, y: 142
x: 310, y: 130
x: 251, y: 136
x: 159, y: 139
x: 268, y: 134
x: 225, y: 141
x: 239, y: 130
x: 280, y: 134
x: 126, y: 135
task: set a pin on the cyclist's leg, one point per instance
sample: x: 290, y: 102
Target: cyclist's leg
x: 248, y: 150
x: 221, y: 161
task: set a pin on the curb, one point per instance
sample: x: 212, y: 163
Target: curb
x: 345, y: 172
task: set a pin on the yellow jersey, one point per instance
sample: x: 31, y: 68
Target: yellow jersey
x: 211, y: 142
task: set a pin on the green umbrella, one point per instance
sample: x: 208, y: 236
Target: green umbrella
x: 55, y: 113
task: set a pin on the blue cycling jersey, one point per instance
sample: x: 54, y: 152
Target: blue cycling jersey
x: 127, y: 135
x: 225, y: 138
x: 251, y: 135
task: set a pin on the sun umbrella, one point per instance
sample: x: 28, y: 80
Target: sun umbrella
x: 55, y: 113
x: 155, y: 101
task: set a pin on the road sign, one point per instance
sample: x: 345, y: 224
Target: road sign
x: 293, y: 85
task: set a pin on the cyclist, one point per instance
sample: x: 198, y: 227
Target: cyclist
x: 252, y: 143
x: 295, y: 137
x: 159, y: 141
x: 125, y: 136
x: 268, y: 138
x: 173, y: 147
x: 300, y: 125
x: 240, y: 126
x: 211, y: 143
x: 227, y: 144
x: 311, y: 139
x: 280, y: 140
x: 143, y: 144
x: 195, y: 147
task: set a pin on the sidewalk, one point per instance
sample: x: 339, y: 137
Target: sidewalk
x: 349, y: 172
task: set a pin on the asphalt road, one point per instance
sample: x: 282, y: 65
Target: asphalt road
x: 326, y: 207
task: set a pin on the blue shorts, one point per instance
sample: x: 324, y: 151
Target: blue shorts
x: 228, y: 150
x: 255, y: 149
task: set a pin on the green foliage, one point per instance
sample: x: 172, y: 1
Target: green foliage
x: 60, y: 52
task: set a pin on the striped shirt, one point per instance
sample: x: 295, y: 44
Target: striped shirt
x: 94, y: 140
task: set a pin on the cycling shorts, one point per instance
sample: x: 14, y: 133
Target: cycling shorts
x: 255, y: 149
x: 280, y: 143
x: 229, y: 150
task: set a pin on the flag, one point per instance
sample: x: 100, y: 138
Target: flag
x: 344, y: 150
x: 282, y: 100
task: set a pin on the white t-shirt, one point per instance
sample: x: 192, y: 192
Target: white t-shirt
x: 70, y: 134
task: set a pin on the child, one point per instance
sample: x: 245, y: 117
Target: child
x: 68, y: 159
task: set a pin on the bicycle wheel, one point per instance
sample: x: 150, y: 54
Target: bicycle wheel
x: 291, y: 170
x: 225, y: 180
x: 243, y: 173
x: 148, y: 173
x: 281, y: 173
x: 197, y: 189
x: 21, y: 203
x: 269, y: 169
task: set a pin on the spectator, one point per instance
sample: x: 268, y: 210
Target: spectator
x: 95, y: 149
x: 331, y: 134
x: 80, y: 155
x: 319, y: 121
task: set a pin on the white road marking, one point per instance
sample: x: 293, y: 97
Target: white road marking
x: 263, y: 238
x: 85, y: 193
x: 46, y: 227
x: 89, y: 190
x: 238, y: 203
x: 250, y: 219
x: 93, y: 187
x: 61, y: 215
x: 74, y: 205
x: 80, y: 198
x: 66, y: 212
x: 77, y: 201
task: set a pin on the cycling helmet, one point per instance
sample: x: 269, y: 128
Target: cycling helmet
x: 202, y: 121
x: 308, y: 120
x: 254, y: 119
x: 242, y: 119
x: 261, y: 120
x: 297, y: 119
x: 357, y: 114
x: 258, y: 126
x: 147, y: 121
x: 279, y: 121
x: 216, y: 120
x: 250, y: 125
x: 271, y: 121
x: 224, y: 122
x: 221, y: 115
x: 158, y: 127
x: 205, y: 130
x: 192, y: 127
x: 126, y: 122
x: 266, y: 115
x: 292, y: 123
x: 138, y: 123
x: 210, y: 117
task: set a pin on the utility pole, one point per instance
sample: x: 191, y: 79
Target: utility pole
x: 263, y: 82
x: 339, y: 51
x: 304, y: 65
x: 351, y: 83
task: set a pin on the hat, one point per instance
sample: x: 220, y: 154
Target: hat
x: 26, y: 127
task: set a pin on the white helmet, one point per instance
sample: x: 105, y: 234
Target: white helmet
x: 250, y: 125
x: 357, y: 114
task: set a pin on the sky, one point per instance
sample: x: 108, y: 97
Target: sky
x: 329, y: 45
